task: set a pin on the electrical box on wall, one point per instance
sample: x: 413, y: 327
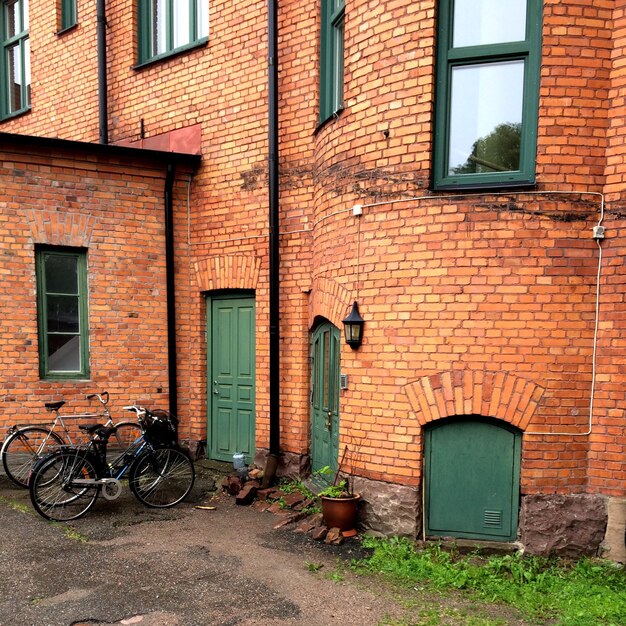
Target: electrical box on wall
x: 343, y: 381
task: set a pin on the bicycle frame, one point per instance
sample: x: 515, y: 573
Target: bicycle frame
x: 58, y: 420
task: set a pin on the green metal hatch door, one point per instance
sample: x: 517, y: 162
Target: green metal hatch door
x: 472, y: 480
x: 231, y: 376
x: 325, y: 397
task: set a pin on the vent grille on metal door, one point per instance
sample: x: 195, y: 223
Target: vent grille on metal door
x: 493, y: 519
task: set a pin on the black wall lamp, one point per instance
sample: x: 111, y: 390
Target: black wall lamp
x: 353, y: 327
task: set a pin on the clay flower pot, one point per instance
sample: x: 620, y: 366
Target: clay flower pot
x: 341, y: 513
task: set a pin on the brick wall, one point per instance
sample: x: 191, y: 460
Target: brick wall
x: 112, y: 207
x: 473, y: 304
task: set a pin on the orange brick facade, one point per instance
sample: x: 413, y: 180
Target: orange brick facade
x: 480, y: 303
x: 110, y: 205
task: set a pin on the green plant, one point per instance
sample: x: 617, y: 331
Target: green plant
x: 588, y: 593
x: 314, y: 567
x: 339, y: 489
x: 16, y: 506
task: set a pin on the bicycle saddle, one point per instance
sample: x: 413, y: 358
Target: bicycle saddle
x: 98, y: 429
x: 54, y: 406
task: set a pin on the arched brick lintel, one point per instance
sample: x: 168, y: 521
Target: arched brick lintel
x: 329, y: 299
x: 55, y: 228
x: 228, y: 272
x: 475, y: 392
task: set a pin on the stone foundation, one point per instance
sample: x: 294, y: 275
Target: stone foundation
x: 388, y: 509
x: 290, y: 465
x: 613, y: 546
x: 196, y: 448
x: 570, y: 526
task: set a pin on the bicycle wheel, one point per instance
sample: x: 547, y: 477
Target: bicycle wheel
x: 24, y: 448
x: 124, y: 440
x: 57, y: 485
x: 161, y: 478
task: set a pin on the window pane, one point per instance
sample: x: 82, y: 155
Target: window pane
x: 12, y: 19
x: 68, y: 13
x: 62, y: 312
x: 486, y: 117
x: 202, y: 11
x: 481, y: 22
x: 61, y: 274
x: 27, y: 71
x: 182, y: 22
x: 64, y: 353
x: 14, y: 67
x: 159, y: 26
x: 338, y: 66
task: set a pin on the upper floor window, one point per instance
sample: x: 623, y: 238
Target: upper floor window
x: 15, y: 59
x: 62, y: 312
x: 69, y: 15
x: 166, y: 26
x: 331, y: 58
x: 487, y: 93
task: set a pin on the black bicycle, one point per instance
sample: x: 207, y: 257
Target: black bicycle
x: 66, y: 484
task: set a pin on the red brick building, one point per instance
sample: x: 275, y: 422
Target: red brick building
x: 481, y: 144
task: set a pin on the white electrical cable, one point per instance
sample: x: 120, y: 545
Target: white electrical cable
x: 357, y: 211
x: 597, y: 307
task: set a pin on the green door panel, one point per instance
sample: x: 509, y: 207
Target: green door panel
x: 231, y: 376
x: 472, y: 480
x: 325, y: 397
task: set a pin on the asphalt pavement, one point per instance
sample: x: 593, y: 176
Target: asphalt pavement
x: 185, y: 566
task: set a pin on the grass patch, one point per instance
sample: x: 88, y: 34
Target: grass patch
x: 72, y: 533
x: 585, y: 593
x: 69, y: 532
x: 16, y: 506
x: 442, y: 617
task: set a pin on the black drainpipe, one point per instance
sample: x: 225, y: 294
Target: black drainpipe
x: 274, y: 364
x: 101, y: 23
x: 170, y: 285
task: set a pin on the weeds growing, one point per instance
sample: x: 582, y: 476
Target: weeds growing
x: 586, y: 593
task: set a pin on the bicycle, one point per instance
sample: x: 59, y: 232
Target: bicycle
x: 65, y: 485
x: 25, y: 445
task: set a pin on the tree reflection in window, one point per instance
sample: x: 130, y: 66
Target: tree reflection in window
x: 498, y: 151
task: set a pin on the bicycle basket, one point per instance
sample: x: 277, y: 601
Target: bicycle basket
x: 161, y: 428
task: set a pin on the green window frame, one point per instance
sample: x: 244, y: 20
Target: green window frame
x: 167, y: 27
x: 69, y: 15
x: 487, y: 93
x: 14, y: 58
x: 331, y: 58
x: 62, y: 312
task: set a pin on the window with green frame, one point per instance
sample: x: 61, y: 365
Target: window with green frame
x: 15, y: 58
x: 69, y: 15
x: 168, y: 26
x: 62, y: 312
x: 488, y: 60
x: 331, y: 58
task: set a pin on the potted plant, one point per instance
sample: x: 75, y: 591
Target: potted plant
x: 339, y: 504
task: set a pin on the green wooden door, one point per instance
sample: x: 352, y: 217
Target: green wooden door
x: 325, y: 397
x: 472, y: 480
x: 231, y: 376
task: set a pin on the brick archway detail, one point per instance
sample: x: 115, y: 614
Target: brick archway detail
x: 491, y: 394
x: 329, y: 299
x: 228, y: 272
x: 60, y: 229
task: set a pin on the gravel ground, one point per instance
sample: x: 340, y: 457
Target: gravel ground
x: 126, y: 564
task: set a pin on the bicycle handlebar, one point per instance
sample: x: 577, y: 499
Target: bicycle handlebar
x: 135, y: 409
x: 100, y: 396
